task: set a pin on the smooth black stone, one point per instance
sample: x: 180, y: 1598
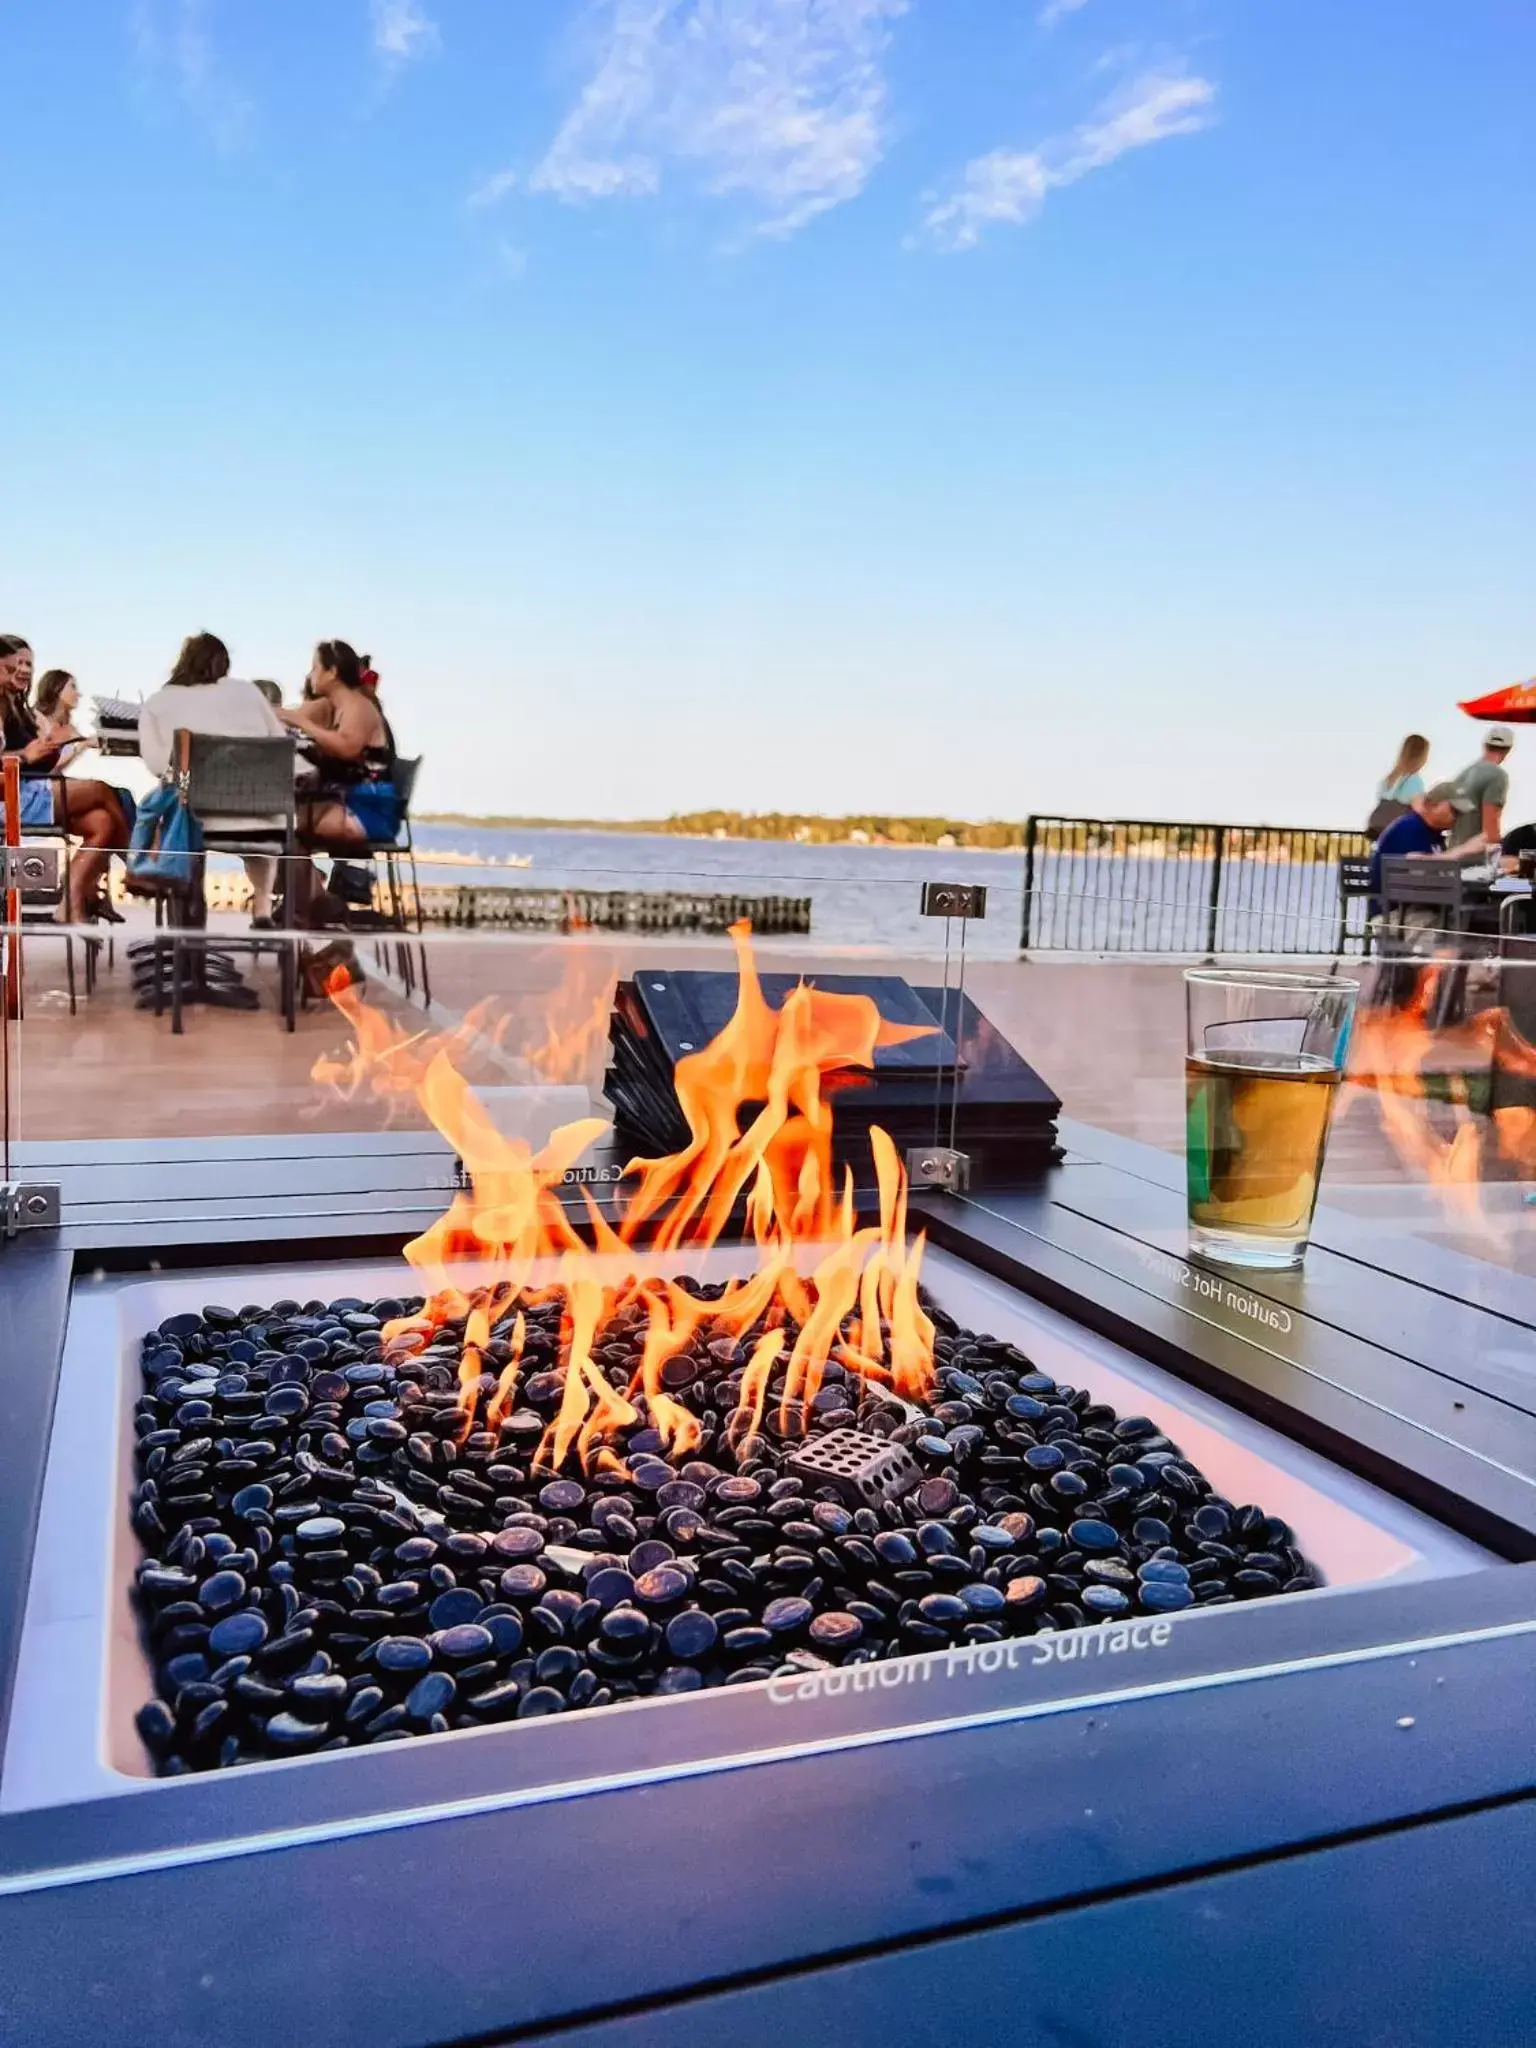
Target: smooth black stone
x: 156, y: 1725
x: 1022, y: 1595
x: 166, y: 1582
x: 733, y: 1492
x: 610, y: 1586
x: 522, y: 1582
x: 505, y: 1632
x: 318, y: 1692
x: 514, y: 1545
x: 1098, y: 1599
x: 787, y: 1616
x: 678, y: 1678
x: 450, y: 1609
x: 363, y: 1705
x: 542, y: 1700
x: 320, y: 1532
x: 1094, y: 1536
x: 836, y: 1630
x: 463, y: 1642
x: 982, y: 1599
x: 645, y: 1557
x: 1109, y: 1571
x: 430, y: 1695
x: 207, y: 1723
x: 943, y: 1610
x: 624, y: 1626
x: 1162, y: 1596
x: 556, y: 1664
x: 1250, y: 1584
x: 662, y: 1587
x: 291, y: 1731
x: 743, y: 1642
x: 255, y: 1499
x: 692, y: 1634
x: 402, y: 1653
x: 188, y: 1669
x: 238, y: 1634
x: 562, y: 1496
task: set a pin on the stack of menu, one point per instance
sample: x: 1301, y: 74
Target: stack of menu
x: 959, y: 1072
x: 117, y: 725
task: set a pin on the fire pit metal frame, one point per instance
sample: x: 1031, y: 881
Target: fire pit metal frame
x: 818, y: 1783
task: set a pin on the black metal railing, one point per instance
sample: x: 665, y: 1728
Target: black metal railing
x: 1138, y: 885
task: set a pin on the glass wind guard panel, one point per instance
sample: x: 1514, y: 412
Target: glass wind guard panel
x: 238, y: 1118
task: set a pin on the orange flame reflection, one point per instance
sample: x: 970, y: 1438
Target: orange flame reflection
x: 1425, y: 1077
x: 756, y: 1102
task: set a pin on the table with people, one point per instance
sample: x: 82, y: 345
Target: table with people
x: 345, y: 789
x: 1458, y: 821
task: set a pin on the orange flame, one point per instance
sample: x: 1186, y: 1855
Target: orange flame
x: 1425, y: 1076
x: 756, y: 1102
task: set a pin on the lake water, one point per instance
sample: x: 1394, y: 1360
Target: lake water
x: 860, y: 895
x: 868, y: 895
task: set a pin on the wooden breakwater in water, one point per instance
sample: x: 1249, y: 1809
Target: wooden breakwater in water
x: 483, y: 908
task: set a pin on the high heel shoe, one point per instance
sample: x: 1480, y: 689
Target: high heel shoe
x: 102, y: 910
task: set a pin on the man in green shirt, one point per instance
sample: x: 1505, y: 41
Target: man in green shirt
x: 1485, y: 785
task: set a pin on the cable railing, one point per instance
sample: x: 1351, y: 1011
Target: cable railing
x: 1137, y: 885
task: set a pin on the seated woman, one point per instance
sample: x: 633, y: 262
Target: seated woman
x: 202, y: 696
x: 348, y: 737
x: 56, y: 700
x: 71, y: 805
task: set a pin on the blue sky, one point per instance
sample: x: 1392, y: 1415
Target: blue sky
x: 966, y: 405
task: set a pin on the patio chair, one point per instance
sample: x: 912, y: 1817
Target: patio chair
x: 38, y: 911
x: 1354, y: 885
x: 242, y: 794
x: 394, y: 905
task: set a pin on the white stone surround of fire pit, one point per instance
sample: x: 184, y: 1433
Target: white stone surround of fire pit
x: 83, y: 1672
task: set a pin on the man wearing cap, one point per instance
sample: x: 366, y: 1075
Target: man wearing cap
x: 1485, y: 784
x: 1420, y: 830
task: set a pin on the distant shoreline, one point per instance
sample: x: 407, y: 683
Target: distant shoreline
x: 941, y: 834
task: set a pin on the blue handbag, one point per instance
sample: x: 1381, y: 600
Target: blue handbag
x: 167, y: 840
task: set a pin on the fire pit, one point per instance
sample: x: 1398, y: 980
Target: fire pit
x: 588, y: 1467
x: 342, y: 1550
x: 319, y: 1585
x: 567, y: 1478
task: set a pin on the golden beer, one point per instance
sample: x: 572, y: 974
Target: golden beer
x: 1257, y: 1124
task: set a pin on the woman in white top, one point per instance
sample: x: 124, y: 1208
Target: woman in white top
x: 1405, y: 782
x: 202, y: 696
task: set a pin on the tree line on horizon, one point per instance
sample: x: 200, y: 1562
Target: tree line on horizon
x: 804, y: 827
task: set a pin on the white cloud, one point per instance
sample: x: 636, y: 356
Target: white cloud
x: 1009, y: 187
x: 1054, y: 10
x: 779, y: 101
x: 174, y: 39
x: 494, y: 189
x: 401, y: 31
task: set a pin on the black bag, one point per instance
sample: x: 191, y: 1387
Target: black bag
x: 353, y: 883
x: 1385, y: 813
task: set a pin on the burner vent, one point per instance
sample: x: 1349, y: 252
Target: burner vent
x: 866, y: 1470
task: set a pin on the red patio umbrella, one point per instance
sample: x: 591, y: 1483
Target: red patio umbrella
x: 1515, y: 705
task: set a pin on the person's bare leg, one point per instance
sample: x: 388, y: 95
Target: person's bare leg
x: 90, y: 812
x: 325, y: 824
x: 87, y: 865
x: 261, y: 872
